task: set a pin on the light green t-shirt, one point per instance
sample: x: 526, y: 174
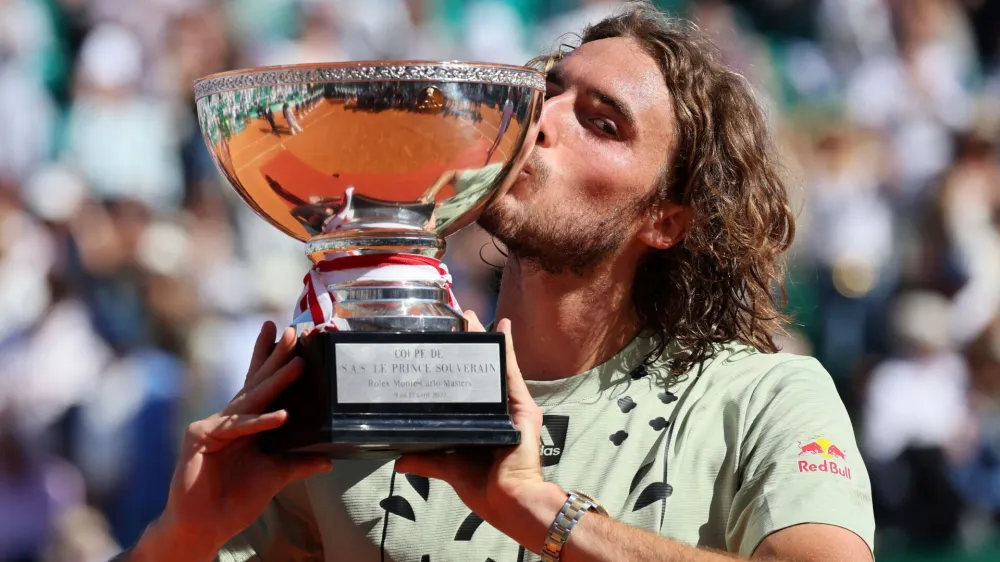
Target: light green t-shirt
x: 745, y: 445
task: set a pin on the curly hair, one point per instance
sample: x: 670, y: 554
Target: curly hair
x: 724, y: 281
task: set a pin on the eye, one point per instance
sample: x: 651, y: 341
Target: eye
x: 606, y: 126
x: 551, y: 90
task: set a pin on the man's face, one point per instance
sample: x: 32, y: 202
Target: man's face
x: 604, y: 137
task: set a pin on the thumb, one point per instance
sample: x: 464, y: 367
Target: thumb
x: 516, y: 388
x: 474, y: 324
x: 524, y: 410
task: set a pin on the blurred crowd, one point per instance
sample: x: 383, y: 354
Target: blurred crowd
x: 133, y: 281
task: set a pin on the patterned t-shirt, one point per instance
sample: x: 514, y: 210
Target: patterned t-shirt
x: 745, y: 445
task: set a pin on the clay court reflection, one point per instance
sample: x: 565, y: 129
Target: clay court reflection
x: 302, y: 154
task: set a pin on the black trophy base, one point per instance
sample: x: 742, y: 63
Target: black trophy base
x: 380, y: 395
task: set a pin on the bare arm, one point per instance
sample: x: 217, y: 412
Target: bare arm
x: 604, y: 539
x: 513, y: 497
x: 598, y: 539
x: 595, y: 538
x: 222, y: 483
x: 160, y: 541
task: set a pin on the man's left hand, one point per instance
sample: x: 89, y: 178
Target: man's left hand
x: 494, y: 483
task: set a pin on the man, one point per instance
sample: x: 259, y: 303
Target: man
x: 505, y: 117
x: 645, y: 235
x: 290, y: 119
x: 268, y: 113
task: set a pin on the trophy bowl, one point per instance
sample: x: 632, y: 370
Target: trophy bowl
x: 373, y: 165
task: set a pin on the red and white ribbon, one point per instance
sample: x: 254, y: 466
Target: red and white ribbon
x: 317, y: 303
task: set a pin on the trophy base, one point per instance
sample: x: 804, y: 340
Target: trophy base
x: 387, y: 438
x: 380, y: 395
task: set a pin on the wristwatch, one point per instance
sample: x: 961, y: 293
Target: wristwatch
x: 572, y: 511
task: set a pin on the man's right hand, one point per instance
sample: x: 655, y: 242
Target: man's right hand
x: 222, y: 482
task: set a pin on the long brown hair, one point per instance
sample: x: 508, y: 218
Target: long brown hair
x: 723, y: 283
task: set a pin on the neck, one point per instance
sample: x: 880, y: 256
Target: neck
x: 566, y: 324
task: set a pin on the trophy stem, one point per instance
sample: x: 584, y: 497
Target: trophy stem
x: 375, y: 240
x: 405, y: 301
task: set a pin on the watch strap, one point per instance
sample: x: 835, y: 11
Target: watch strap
x: 577, y: 504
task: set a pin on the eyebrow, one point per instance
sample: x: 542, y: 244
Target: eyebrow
x: 556, y: 76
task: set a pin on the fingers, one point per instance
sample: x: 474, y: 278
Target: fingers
x: 235, y: 426
x: 436, y: 465
x: 283, y: 351
x: 525, y: 413
x: 218, y: 432
x: 254, y: 400
x: 474, y: 324
x: 262, y: 348
x: 453, y: 468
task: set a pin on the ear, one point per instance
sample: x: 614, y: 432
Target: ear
x: 665, y: 226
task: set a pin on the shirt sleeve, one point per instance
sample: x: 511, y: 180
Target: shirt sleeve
x: 285, y: 531
x: 798, y: 460
x: 475, y: 181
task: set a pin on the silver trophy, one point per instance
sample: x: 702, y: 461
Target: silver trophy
x: 373, y: 165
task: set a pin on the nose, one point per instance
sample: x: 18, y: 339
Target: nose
x: 548, y: 122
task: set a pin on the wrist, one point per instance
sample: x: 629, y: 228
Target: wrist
x: 166, y: 538
x: 530, y: 514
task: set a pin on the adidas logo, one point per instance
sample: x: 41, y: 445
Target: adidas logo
x: 554, y: 430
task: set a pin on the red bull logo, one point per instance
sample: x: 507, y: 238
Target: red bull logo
x: 827, y: 451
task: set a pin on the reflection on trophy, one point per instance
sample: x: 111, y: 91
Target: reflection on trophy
x: 373, y: 165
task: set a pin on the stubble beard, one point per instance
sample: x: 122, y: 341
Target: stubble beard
x: 568, y: 239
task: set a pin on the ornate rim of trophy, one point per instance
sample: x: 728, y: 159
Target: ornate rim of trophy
x: 369, y: 71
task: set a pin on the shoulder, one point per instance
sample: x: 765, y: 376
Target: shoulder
x: 764, y: 394
x: 741, y: 371
x: 781, y: 441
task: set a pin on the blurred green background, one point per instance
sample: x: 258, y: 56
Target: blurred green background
x: 133, y: 281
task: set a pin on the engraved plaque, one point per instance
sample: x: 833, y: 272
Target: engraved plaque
x: 407, y: 373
